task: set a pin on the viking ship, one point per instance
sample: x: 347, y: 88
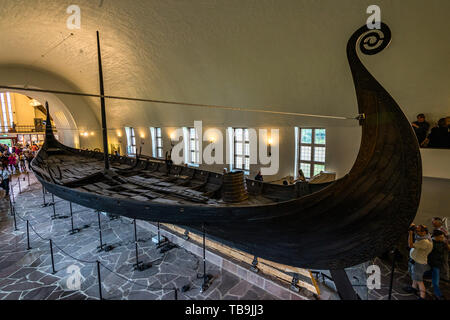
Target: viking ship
x: 326, y: 226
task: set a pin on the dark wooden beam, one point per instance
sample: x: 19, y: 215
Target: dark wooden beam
x: 102, y: 101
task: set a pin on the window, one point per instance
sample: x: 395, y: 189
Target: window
x: 157, y: 142
x: 241, y: 150
x: 131, y: 141
x: 194, y: 147
x: 312, y: 150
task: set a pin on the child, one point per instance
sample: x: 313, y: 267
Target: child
x: 436, y: 260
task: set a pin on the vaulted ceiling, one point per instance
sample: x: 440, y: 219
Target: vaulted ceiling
x: 289, y: 54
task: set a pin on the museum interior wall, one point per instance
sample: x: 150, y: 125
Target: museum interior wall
x: 257, y: 54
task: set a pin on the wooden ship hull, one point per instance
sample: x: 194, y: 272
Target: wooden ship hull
x: 329, y: 226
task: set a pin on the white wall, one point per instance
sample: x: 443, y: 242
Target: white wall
x: 277, y: 55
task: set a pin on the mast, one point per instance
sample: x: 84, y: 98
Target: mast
x: 102, y: 101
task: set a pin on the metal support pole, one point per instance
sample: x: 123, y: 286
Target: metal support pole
x: 28, y: 235
x: 11, y: 188
x: 205, y: 285
x: 136, y: 245
x: 53, y: 259
x: 141, y: 266
x: 204, y: 254
x: 71, y: 216
x: 343, y: 285
x: 391, y: 283
x: 100, y: 231
x: 13, y: 213
x: 99, y: 281
x: 43, y: 196
x: 11, y: 206
x: 14, y: 216
x: 28, y: 176
x: 159, y: 233
x: 20, y: 188
x: 73, y: 231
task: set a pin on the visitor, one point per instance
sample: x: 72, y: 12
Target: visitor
x: 12, y: 161
x: 29, y: 157
x: 301, y: 176
x: 22, y: 166
x: 5, y: 176
x: 421, y: 246
x: 421, y: 128
x: 259, y: 176
x: 439, y: 136
x: 4, y: 159
x: 436, y: 260
x: 438, y: 224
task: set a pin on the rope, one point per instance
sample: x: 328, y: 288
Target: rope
x: 187, y: 104
x: 70, y: 256
x: 151, y: 288
x: 134, y: 282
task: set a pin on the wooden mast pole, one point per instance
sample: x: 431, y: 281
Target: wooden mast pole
x: 102, y: 101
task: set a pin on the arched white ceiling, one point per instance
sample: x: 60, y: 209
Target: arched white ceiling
x: 288, y: 54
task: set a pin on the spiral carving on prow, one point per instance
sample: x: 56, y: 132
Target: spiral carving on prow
x: 373, y: 41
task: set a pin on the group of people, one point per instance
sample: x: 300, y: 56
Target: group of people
x: 15, y: 160
x: 428, y: 256
x: 439, y: 137
x: 286, y: 182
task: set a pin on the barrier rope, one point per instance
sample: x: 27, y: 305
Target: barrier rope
x: 150, y: 288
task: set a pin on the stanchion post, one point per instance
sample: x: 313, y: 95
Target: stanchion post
x: 53, y: 205
x: 176, y: 293
x: 136, y: 245
x: 12, y: 192
x: 28, y: 235
x: 43, y: 195
x: 28, y: 176
x: 100, y: 230
x: 73, y: 231
x: 206, y: 278
x: 159, y: 233
x: 204, y: 255
x: 99, y: 281
x: 391, y: 283
x: 18, y: 181
x: 13, y: 211
x: 53, y: 259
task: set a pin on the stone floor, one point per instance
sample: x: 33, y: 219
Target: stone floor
x: 27, y: 274
x: 402, y: 279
